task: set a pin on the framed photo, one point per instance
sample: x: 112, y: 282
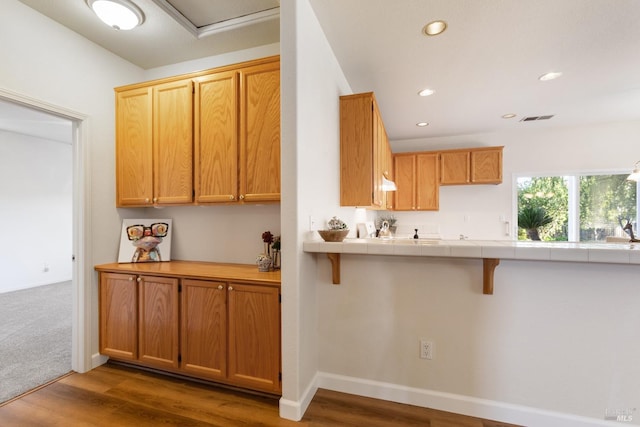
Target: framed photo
x: 145, y: 240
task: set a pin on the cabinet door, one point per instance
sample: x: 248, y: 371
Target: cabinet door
x: 486, y: 166
x: 173, y: 143
x: 260, y: 133
x: 216, y: 138
x: 405, y: 166
x: 158, y: 331
x: 134, y: 152
x: 427, y: 185
x: 119, y: 315
x: 454, y: 167
x: 204, y: 328
x: 254, y: 336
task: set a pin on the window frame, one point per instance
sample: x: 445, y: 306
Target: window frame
x: 573, y: 225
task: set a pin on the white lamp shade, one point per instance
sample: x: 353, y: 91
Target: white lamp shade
x: 635, y: 175
x: 388, y: 185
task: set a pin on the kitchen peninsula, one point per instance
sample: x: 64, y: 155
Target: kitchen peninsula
x: 490, y: 251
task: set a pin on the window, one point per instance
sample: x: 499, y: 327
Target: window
x: 585, y: 208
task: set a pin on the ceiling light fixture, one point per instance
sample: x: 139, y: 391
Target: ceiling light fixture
x: 434, y: 28
x: 549, y: 76
x: 508, y: 116
x: 118, y: 14
x: 426, y: 92
x: 422, y: 124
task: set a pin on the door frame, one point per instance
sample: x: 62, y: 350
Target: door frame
x: 81, y: 227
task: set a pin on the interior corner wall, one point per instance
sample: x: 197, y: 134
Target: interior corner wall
x: 36, y: 196
x: 312, y: 82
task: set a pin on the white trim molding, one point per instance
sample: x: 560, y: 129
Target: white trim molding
x: 81, y: 315
x: 466, y: 405
x: 294, y: 410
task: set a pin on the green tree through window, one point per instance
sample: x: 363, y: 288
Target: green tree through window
x: 603, y: 205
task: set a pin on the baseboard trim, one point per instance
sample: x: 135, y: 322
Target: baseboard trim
x: 475, y: 407
x: 98, y: 359
x: 294, y: 410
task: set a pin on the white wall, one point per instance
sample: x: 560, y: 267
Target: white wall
x: 312, y: 81
x: 36, y: 200
x: 557, y: 337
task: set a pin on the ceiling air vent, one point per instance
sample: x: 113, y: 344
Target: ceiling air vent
x: 533, y: 118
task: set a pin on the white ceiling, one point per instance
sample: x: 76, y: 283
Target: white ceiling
x: 485, y: 65
x: 28, y: 121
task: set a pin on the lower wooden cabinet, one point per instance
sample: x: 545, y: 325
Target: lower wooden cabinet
x: 219, y: 330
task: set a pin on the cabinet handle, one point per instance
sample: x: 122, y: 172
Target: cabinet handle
x: 220, y: 287
x: 242, y: 197
x: 230, y: 288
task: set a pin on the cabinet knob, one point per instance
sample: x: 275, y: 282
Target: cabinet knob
x: 131, y: 279
x: 242, y: 197
x: 155, y: 199
x: 220, y: 287
x: 139, y: 279
x: 231, y: 197
x: 230, y: 288
x: 146, y: 200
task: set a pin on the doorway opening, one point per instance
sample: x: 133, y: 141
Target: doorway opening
x: 43, y: 126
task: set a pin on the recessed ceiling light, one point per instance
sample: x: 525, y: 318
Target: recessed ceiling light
x: 426, y: 92
x: 549, y: 76
x: 118, y: 14
x: 434, y: 28
x: 508, y: 116
x: 422, y: 124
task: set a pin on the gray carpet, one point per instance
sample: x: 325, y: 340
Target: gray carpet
x: 35, y: 337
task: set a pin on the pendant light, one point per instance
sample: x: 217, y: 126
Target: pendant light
x: 635, y: 175
x: 118, y: 14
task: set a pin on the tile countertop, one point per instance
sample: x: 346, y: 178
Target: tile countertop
x: 612, y: 253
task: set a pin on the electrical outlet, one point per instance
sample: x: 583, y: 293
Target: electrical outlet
x: 312, y: 223
x: 45, y: 267
x: 426, y: 349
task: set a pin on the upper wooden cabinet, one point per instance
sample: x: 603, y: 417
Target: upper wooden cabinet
x: 154, y: 145
x: 206, y: 137
x: 471, y: 166
x: 237, y: 135
x: 365, y: 155
x: 417, y: 176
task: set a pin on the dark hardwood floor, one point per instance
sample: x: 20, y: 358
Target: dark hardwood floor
x: 113, y: 395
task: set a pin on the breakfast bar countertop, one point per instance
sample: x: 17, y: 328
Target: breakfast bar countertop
x: 612, y: 253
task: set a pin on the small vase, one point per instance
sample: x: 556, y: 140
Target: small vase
x: 265, y: 262
x: 276, y: 259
